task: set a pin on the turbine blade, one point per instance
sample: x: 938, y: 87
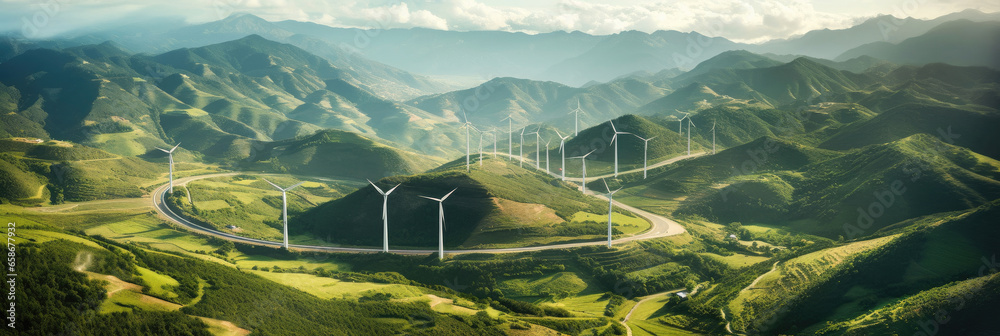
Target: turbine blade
x: 606, y: 185
x: 393, y: 188
x: 272, y: 184
x: 295, y: 185
x: 591, y: 152
x: 651, y: 138
x: 430, y: 198
x: 164, y: 150
x: 449, y: 194
x: 376, y: 187
x: 613, y: 126
x: 559, y: 134
x: 175, y: 147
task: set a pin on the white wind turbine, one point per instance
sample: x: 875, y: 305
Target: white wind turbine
x: 510, y: 135
x: 441, y: 221
x: 493, y: 131
x: 481, y: 148
x: 610, y: 208
x: 645, y: 148
x: 520, y: 149
x: 538, y: 143
x: 576, y: 121
x: 713, y: 137
x: 385, y: 214
x: 284, y: 207
x: 170, y: 158
x: 468, y: 143
x: 562, y: 145
x: 584, y: 170
x: 547, y: 158
x: 614, y: 140
x: 680, y: 125
x: 689, y: 134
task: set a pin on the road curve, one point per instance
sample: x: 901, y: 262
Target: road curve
x: 659, y: 226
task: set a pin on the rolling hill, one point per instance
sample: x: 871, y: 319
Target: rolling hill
x: 498, y: 204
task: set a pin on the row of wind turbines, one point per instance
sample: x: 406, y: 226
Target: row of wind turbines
x: 468, y: 127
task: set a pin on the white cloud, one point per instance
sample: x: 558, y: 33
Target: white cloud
x: 739, y: 20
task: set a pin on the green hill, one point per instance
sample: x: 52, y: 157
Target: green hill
x: 334, y: 153
x: 497, y: 204
x: 962, y: 127
x: 859, y: 192
x: 59, y: 171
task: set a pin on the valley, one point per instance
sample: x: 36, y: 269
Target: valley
x: 388, y: 170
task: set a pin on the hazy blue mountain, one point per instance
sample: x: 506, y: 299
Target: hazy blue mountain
x: 632, y: 51
x: 529, y: 101
x: 829, y: 43
x: 958, y: 43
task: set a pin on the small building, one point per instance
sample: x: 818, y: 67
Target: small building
x: 231, y: 227
x: 683, y: 295
x: 733, y: 237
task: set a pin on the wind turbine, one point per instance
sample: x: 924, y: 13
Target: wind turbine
x: 385, y: 214
x: 441, y: 221
x: 170, y: 158
x: 468, y: 144
x: 481, y: 148
x: 510, y: 135
x: 713, y: 137
x: 547, y: 158
x: 645, y: 147
x: 689, y: 134
x: 562, y: 149
x: 680, y: 125
x: 576, y: 122
x: 284, y: 207
x: 538, y: 143
x: 610, y: 207
x: 614, y: 140
x: 584, y: 157
x: 493, y: 131
x: 520, y: 149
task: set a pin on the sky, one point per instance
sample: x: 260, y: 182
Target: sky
x: 738, y: 20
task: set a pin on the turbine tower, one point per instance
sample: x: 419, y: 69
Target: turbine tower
x: 713, y: 137
x: 481, y: 148
x: 468, y: 143
x: 689, y: 134
x: 614, y: 140
x: 385, y: 214
x: 562, y: 149
x: 645, y: 147
x: 493, y: 131
x: 576, y: 121
x: 284, y: 207
x: 610, y: 207
x: 510, y: 136
x: 547, y: 158
x: 170, y: 158
x: 520, y: 149
x: 441, y: 221
x: 584, y: 157
x: 538, y: 143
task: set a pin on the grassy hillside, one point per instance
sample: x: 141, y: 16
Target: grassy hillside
x: 334, y: 153
x: 862, y: 190
x: 497, y: 204
x: 56, y: 171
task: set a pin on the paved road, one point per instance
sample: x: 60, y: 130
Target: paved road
x: 660, y: 226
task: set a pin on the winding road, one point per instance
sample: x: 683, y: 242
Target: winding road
x: 660, y: 226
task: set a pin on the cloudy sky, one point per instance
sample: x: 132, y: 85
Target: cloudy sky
x: 739, y: 20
